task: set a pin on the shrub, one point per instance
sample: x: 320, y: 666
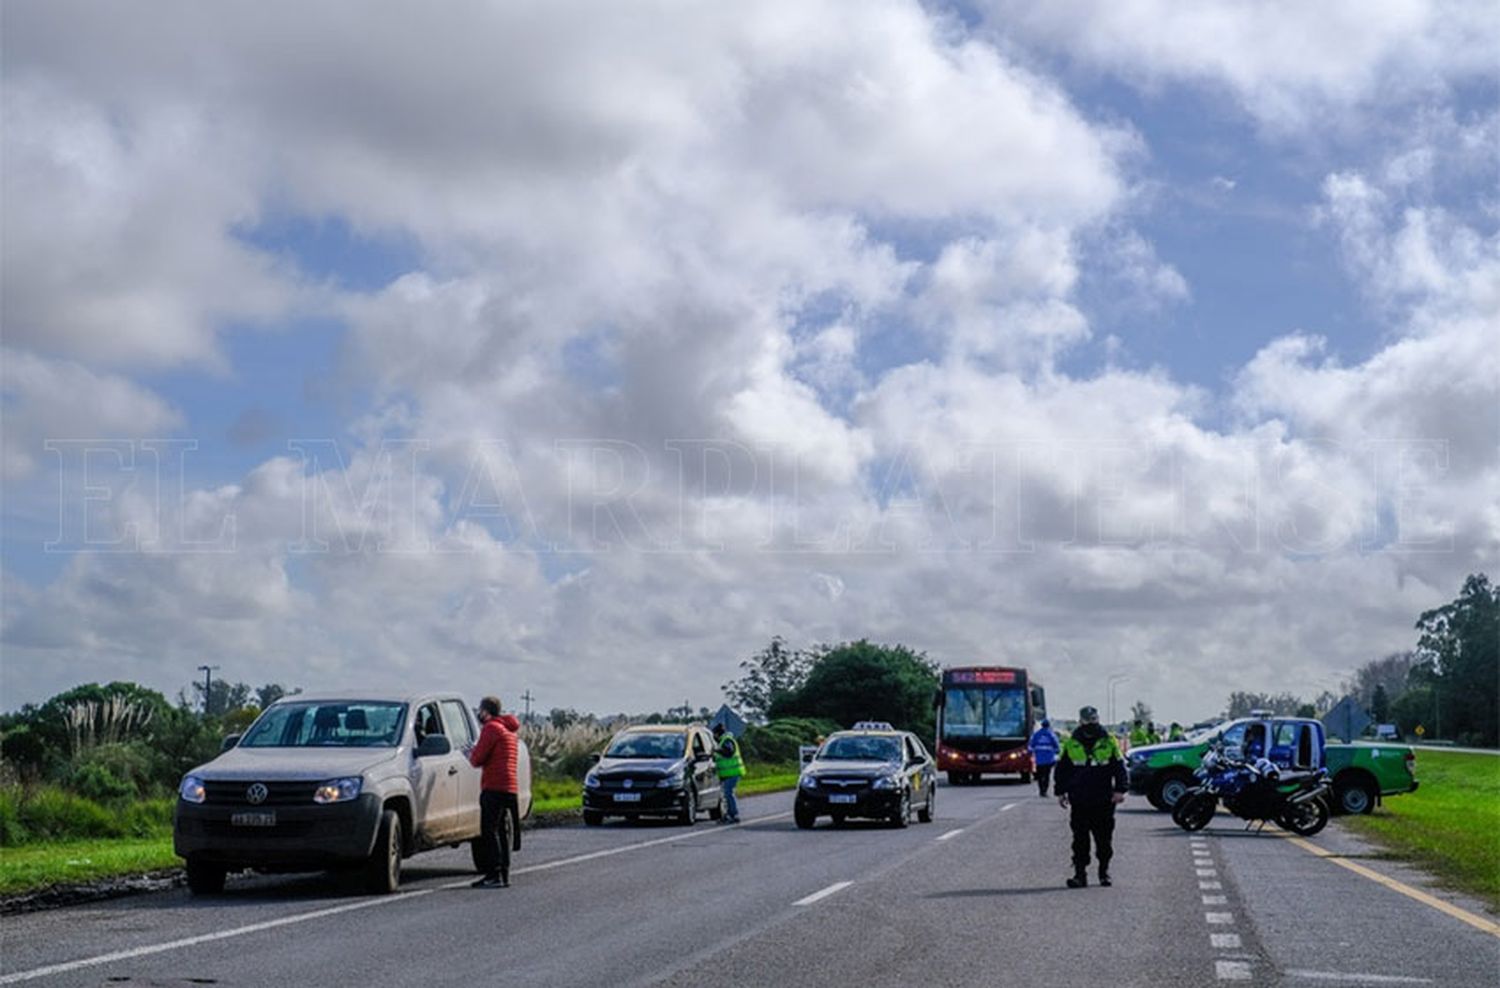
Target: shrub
x: 99, y: 783
x: 780, y: 740
x: 47, y: 813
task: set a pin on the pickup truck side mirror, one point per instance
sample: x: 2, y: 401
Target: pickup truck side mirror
x: 229, y: 742
x: 595, y: 757
x: 434, y: 744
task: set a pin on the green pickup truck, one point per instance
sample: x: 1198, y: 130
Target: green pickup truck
x: 1362, y: 773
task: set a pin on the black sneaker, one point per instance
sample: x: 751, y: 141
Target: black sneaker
x: 1078, y: 881
x: 1104, y: 879
x: 489, y: 882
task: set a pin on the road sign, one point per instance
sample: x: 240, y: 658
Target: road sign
x: 1347, y: 719
x: 1421, y: 730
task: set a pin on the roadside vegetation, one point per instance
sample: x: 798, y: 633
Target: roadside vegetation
x: 1450, y: 825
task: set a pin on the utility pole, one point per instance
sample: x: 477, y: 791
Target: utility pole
x: 208, y: 684
x: 1115, y: 680
x: 527, y: 698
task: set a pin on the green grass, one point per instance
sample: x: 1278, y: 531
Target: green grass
x: 1450, y: 825
x: 37, y: 866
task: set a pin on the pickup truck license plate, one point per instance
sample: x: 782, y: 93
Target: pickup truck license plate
x: 841, y: 797
x: 253, y: 819
x: 627, y: 797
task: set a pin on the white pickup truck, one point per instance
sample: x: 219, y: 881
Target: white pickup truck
x: 356, y: 781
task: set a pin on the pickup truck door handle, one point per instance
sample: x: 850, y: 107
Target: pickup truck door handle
x: 452, y: 769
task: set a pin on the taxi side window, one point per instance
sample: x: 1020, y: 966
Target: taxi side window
x: 912, y: 755
x: 456, y: 723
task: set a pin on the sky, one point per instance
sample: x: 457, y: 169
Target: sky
x: 581, y: 348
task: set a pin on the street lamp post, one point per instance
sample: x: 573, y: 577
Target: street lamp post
x: 1115, y: 680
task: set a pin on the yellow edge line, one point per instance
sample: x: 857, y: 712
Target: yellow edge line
x: 1474, y: 920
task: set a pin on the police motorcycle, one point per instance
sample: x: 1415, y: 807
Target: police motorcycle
x: 1256, y: 790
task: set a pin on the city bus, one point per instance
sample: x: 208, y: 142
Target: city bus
x: 985, y: 714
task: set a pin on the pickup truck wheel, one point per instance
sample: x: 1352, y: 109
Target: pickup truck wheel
x: 1167, y: 793
x: 1354, y: 796
x: 592, y: 818
x: 204, y: 878
x: 689, y: 814
x: 382, y: 872
x: 716, y: 813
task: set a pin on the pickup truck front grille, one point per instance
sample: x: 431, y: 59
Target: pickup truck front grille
x: 277, y: 793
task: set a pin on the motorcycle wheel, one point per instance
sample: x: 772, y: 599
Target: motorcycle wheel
x: 1304, y: 819
x: 1193, y: 811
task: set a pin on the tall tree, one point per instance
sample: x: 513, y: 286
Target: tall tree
x: 1380, y: 705
x: 771, y: 675
x: 1460, y: 642
x: 1141, y: 710
x: 862, y: 680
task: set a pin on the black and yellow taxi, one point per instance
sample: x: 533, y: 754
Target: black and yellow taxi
x: 654, y: 770
x: 872, y: 772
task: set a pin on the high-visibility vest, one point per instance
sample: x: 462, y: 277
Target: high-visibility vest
x: 1104, y: 749
x: 731, y: 765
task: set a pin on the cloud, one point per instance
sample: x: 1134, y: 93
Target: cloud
x: 1292, y: 66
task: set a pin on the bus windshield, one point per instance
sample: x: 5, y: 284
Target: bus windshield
x: 984, y: 712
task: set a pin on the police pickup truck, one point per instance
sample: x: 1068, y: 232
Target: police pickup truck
x: 1362, y: 774
x: 354, y: 782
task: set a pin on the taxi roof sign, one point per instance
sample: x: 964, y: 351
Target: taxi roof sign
x: 873, y: 725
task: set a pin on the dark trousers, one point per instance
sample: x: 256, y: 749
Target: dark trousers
x: 1097, y: 822
x: 492, y: 850
x: 1043, y: 778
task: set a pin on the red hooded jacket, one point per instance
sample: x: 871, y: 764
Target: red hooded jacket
x: 495, y: 753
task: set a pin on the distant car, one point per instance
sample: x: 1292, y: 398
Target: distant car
x: 871, y: 772
x: 661, y: 770
x: 355, y: 782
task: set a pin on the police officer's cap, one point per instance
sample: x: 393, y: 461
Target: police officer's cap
x: 1088, y: 715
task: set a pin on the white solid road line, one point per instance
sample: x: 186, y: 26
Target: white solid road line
x: 1009, y: 806
x: 1370, y: 979
x: 402, y: 897
x: 951, y: 833
x: 808, y: 900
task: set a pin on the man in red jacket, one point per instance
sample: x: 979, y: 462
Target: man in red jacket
x: 495, y: 755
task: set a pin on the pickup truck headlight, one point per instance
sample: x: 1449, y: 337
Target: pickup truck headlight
x: 591, y: 781
x: 338, y: 790
x: 192, y: 790
x: 808, y: 782
x: 1138, y: 757
x: 887, y: 782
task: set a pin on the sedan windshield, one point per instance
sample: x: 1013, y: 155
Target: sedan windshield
x: 862, y: 749
x: 646, y: 744
x: 336, y: 724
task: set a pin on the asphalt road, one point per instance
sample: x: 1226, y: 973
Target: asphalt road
x: 975, y: 898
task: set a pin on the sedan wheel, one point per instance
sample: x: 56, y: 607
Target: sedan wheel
x: 902, y: 815
x: 689, y: 814
x: 925, y: 813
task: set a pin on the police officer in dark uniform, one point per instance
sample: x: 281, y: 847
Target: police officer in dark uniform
x: 1091, y: 780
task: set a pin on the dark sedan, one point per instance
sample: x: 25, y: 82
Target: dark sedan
x: 871, y: 773
x: 662, y: 770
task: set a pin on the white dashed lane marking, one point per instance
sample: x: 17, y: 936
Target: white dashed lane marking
x: 836, y: 887
x: 1216, y: 900
x: 1225, y: 941
x: 1232, y: 970
x: 950, y: 834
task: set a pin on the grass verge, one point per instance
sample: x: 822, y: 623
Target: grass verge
x: 37, y: 866
x: 1450, y: 825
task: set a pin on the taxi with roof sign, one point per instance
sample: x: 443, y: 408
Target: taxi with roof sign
x: 871, y: 771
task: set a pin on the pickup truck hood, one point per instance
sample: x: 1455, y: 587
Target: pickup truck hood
x: 309, y: 764
x: 637, y: 766
x: 1152, y: 749
x: 852, y: 767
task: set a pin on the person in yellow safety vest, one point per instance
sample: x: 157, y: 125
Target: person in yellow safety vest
x: 1139, y: 735
x: 1091, y: 782
x: 731, y: 768
x: 1152, y: 737
x: 1175, y: 732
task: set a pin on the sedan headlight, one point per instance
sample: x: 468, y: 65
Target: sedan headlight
x: 192, y: 790
x: 591, y: 781
x: 338, y: 790
x: 673, y: 781
x: 887, y: 782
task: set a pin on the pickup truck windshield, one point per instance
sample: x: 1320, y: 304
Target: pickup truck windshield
x: 646, y: 745
x: 364, y: 724
x: 862, y: 749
